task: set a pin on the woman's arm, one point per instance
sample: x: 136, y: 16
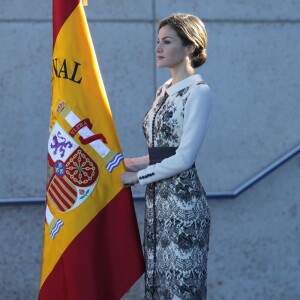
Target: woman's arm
x: 136, y: 164
x: 196, y: 118
x: 133, y: 165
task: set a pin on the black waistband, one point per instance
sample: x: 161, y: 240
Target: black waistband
x: 157, y: 154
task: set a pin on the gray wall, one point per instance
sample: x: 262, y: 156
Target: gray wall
x: 252, y: 68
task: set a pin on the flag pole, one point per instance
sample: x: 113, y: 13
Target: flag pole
x: 85, y: 2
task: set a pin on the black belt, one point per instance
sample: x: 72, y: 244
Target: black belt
x: 157, y: 154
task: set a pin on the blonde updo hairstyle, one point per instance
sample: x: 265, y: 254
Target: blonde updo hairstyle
x: 191, y: 31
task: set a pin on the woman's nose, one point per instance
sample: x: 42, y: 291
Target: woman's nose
x: 158, y: 49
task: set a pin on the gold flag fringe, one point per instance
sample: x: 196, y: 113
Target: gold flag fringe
x: 85, y: 2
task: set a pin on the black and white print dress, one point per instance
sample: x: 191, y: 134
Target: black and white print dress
x: 177, y: 218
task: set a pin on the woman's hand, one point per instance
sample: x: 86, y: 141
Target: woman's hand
x: 129, y: 178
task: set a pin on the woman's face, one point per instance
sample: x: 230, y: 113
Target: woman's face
x: 170, y: 51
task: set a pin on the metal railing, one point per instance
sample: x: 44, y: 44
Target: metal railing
x: 257, y: 177
x: 211, y: 195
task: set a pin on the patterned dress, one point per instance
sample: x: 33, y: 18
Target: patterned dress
x: 177, y: 218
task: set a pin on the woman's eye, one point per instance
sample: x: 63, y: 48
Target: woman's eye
x: 164, y: 42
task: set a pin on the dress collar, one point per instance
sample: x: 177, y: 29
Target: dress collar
x: 173, y: 89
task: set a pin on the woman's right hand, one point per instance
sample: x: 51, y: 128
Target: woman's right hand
x: 129, y: 179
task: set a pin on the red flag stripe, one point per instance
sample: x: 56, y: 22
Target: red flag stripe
x: 65, y: 200
x: 53, y: 198
x: 116, y: 265
x: 57, y: 200
x: 64, y: 193
x: 61, y: 11
x: 65, y: 185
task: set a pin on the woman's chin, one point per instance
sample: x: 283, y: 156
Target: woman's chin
x: 160, y: 65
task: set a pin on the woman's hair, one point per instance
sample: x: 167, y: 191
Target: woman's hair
x: 191, y: 31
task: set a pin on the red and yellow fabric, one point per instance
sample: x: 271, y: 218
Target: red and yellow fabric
x: 92, y: 248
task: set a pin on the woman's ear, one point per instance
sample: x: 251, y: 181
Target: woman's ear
x: 190, y: 49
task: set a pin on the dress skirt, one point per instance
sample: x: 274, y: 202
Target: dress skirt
x: 176, y: 238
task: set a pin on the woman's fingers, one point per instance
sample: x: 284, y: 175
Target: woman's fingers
x: 128, y: 178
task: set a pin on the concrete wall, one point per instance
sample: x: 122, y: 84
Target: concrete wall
x: 252, y: 68
x: 254, y: 244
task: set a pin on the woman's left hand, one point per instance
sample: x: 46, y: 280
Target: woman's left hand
x: 129, y: 178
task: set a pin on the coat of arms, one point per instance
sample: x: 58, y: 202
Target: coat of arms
x: 72, y: 173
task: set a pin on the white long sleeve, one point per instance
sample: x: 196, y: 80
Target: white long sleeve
x: 196, y: 119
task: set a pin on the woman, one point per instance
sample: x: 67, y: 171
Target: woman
x: 177, y: 218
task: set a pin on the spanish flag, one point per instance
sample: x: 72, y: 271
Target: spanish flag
x: 92, y: 248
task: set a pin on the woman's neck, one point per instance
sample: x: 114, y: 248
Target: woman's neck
x: 181, y: 72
